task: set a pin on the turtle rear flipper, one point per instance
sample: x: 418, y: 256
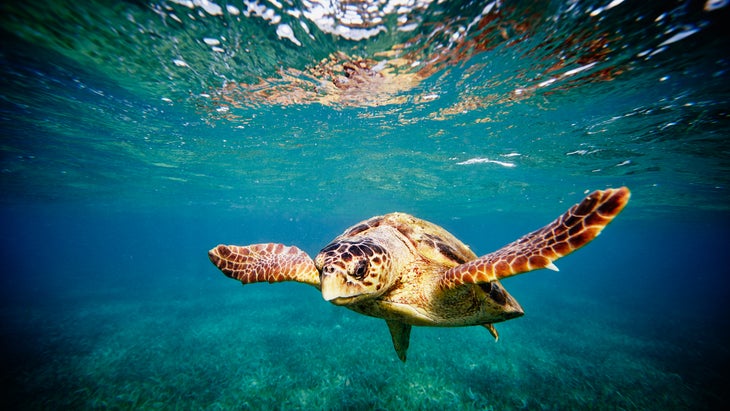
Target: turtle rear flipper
x: 572, y: 230
x: 492, y: 330
x: 268, y: 262
x: 401, y: 334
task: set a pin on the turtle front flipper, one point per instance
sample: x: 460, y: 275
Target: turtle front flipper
x: 265, y: 262
x: 572, y: 230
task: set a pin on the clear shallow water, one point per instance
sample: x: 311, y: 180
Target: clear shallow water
x: 131, y: 144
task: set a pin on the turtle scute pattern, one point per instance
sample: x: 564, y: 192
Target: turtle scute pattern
x: 268, y: 262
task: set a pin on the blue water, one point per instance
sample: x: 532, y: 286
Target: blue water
x: 135, y: 137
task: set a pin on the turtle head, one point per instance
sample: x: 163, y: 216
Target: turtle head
x: 353, y: 270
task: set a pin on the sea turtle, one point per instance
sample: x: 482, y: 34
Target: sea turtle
x: 412, y: 272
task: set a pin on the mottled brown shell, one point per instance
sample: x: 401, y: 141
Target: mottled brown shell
x: 429, y: 240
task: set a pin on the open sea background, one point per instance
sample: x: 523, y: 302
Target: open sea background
x: 137, y: 135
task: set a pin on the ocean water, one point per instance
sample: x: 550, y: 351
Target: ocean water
x: 135, y: 136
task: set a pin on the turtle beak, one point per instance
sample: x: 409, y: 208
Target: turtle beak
x: 335, y: 287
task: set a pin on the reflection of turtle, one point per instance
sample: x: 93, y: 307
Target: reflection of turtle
x: 412, y: 272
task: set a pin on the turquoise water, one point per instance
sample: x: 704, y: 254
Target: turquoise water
x: 136, y: 136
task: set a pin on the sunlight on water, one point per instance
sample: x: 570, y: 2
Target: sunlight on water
x: 430, y: 98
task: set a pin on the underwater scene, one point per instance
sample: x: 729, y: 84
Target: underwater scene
x: 136, y: 136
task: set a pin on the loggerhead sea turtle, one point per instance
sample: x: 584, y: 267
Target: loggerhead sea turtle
x: 412, y: 272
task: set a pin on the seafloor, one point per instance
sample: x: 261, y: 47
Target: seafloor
x: 284, y: 348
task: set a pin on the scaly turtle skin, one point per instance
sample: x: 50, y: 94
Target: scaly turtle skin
x: 412, y: 272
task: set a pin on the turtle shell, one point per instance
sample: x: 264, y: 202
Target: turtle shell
x: 430, y: 241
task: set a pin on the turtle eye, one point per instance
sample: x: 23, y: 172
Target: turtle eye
x: 361, y: 269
